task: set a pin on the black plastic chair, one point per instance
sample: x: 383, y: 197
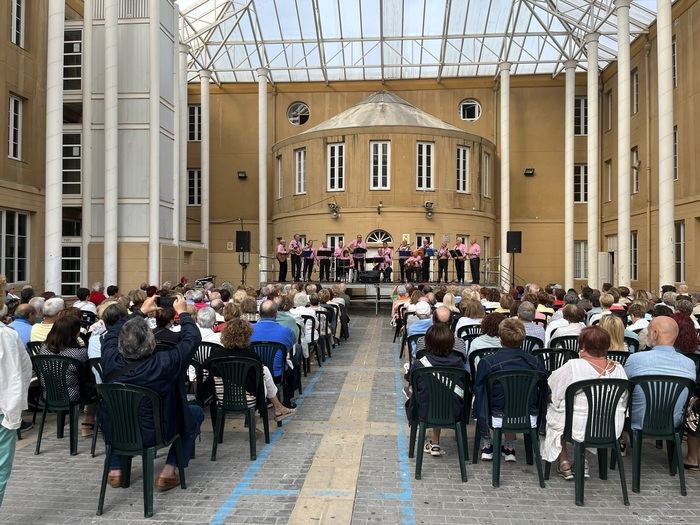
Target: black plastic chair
x: 696, y: 359
x: 542, y: 322
x: 87, y: 319
x: 313, y: 344
x: 661, y: 394
x: 553, y: 359
x: 441, y: 385
x: 325, y: 335
x: 124, y: 404
x: 199, y: 358
x: 33, y: 347
x: 268, y: 353
x: 567, y: 342
x: 334, y: 309
x: 470, y: 329
x: 632, y: 344
x: 52, y: 371
x: 411, y: 343
x: 454, y: 319
x: 518, y: 386
x: 531, y: 343
x: 476, y: 356
x: 603, y: 396
x: 234, y: 372
x: 618, y: 356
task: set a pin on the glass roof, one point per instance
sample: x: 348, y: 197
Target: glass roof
x: 332, y: 40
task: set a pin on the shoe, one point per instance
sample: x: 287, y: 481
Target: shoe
x: 432, y: 449
x: 487, y: 453
x: 623, y: 448
x: 406, y: 392
x: 586, y: 469
x: 694, y: 468
x: 564, y: 470
x: 25, y: 426
x: 86, y: 429
x: 291, y: 404
x: 114, y: 480
x: 508, y: 454
x: 284, y: 415
x: 165, y: 484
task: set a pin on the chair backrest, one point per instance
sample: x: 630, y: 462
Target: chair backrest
x: 322, y: 317
x: 603, y: 396
x: 203, y: 351
x: 696, y: 359
x: 442, y: 383
x: 531, y: 343
x: 52, y: 371
x: 470, y: 329
x: 234, y: 373
x: 456, y: 316
x: 553, y: 359
x: 476, y: 356
x: 33, y: 347
x: 125, y: 404
x: 542, y: 322
x: 661, y: 394
x: 618, y: 356
x: 518, y: 387
x: 413, y: 340
x: 568, y: 342
x: 310, y: 319
x: 269, y: 352
x: 632, y: 344
x: 87, y: 318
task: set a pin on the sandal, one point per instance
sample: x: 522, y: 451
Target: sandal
x: 693, y: 468
x: 86, y: 429
x: 285, y: 414
x: 564, y: 470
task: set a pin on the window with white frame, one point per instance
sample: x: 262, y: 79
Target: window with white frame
x: 679, y: 240
x: 14, y: 245
x: 333, y: 239
x: 675, y: 152
x: 300, y: 171
x: 194, y: 187
x: 674, y: 63
x: 194, y: 122
x: 486, y: 175
x: 335, y: 167
x: 72, y: 163
x: 635, y: 91
x: 424, y: 166
x: 581, y: 116
x: 379, y: 165
x: 469, y: 110
x: 608, y: 110
x: 14, y: 140
x: 634, y: 255
x: 72, y: 58
x: 462, y: 169
x: 608, y: 179
x: 17, y: 20
x: 580, y: 259
x: 635, y: 169
x: 379, y: 237
x: 279, y: 176
x: 581, y: 183
x: 70, y: 269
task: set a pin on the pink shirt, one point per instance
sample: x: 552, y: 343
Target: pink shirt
x: 443, y: 253
x: 281, y: 248
x: 355, y: 244
x: 323, y: 249
x: 293, y: 245
x: 461, y: 247
x: 474, y: 251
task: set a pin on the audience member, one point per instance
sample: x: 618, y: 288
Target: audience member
x: 51, y: 309
x: 687, y: 339
x: 419, y: 323
x: 489, y: 337
x: 442, y: 315
x: 526, y: 314
x: 573, y: 323
x: 165, y: 318
x: 83, y: 302
x: 472, y: 313
x: 616, y: 330
x: 97, y: 294
x: 206, y: 317
x: 25, y: 316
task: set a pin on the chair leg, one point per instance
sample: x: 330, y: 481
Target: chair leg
x: 679, y: 462
x: 103, y: 485
x: 217, y: 431
x: 41, y: 430
x: 60, y: 423
x: 579, y: 454
x: 477, y: 442
x: 94, y: 438
x: 623, y: 481
x: 223, y: 426
x: 412, y: 439
x: 251, y: 434
x: 180, y: 456
x: 73, y: 423
x: 419, y: 457
x: 547, y: 470
x: 460, y: 451
x: 148, y: 458
x: 527, y: 439
x: 266, y: 424
x: 126, y: 472
x: 636, y: 460
x: 671, y: 454
x: 496, y: 467
x: 466, y: 441
x: 603, y: 463
x: 535, y: 444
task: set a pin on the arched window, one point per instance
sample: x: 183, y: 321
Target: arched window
x: 379, y: 236
x: 298, y: 113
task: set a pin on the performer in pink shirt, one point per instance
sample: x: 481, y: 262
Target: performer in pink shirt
x: 474, y: 255
x: 385, y: 266
x: 308, y: 255
x: 295, y: 252
x: 282, y: 259
x: 358, y: 258
x: 324, y: 262
x: 343, y: 262
x: 459, y: 261
x: 443, y: 261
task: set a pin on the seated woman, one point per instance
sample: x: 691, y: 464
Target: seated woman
x: 489, y: 337
x: 472, y: 313
x: 612, y: 324
x: 448, y: 301
x: 165, y: 318
x: 439, y: 341
x: 235, y: 339
x: 249, y: 310
x: 593, y: 343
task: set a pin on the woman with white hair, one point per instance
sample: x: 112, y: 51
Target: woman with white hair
x: 301, y: 307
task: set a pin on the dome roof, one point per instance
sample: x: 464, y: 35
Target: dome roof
x: 383, y: 109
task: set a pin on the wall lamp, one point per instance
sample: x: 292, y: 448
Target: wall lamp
x: 334, y: 209
x: 379, y: 207
x: 529, y: 172
x: 428, y: 205
x: 242, y: 175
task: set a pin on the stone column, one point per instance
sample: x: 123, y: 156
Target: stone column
x: 262, y: 171
x: 593, y: 205
x: 204, y: 76
x: 569, y: 96
x: 504, y: 146
x: 154, y: 140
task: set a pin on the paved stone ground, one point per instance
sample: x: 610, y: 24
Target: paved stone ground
x: 341, y: 459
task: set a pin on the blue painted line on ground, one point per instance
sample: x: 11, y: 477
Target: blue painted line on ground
x: 242, y: 487
x: 406, y: 494
x: 333, y: 493
x: 270, y: 492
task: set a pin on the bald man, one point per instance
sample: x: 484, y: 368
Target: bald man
x: 443, y: 315
x: 661, y: 359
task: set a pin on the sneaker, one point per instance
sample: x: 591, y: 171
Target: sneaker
x: 432, y: 449
x: 487, y: 453
x: 508, y: 454
x: 623, y: 448
x: 406, y: 392
x: 25, y: 426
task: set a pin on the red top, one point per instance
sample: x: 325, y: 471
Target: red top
x: 96, y: 297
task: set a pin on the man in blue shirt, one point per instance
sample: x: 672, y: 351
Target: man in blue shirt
x: 25, y: 316
x: 662, y: 359
x: 423, y: 320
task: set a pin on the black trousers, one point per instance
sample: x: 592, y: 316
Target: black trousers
x: 359, y: 267
x: 474, y: 267
x: 283, y: 272
x: 324, y: 270
x: 308, y: 268
x: 425, y: 269
x: 386, y: 274
x: 296, y: 267
x: 402, y: 262
x: 341, y: 272
x: 459, y: 270
x: 442, y: 269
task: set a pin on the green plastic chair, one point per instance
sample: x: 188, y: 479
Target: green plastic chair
x: 518, y: 388
x: 313, y: 344
x: 553, y: 359
x: 566, y: 342
x: 234, y: 372
x: 124, y: 403
x: 632, y: 344
x: 325, y: 337
x: 661, y: 394
x: 33, y: 347
x: 618, y: 356
x: 411, y: 343
x: 442, y: 383
x: 268, y: 353
x: 531, y: 343
x: 603, y: 396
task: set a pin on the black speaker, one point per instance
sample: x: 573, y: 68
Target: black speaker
x: 514, y: 242
x: 371, y: 276
x: 243, y: 241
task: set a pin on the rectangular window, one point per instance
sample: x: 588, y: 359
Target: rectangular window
x: 424, y: 166
x: 679, y: 240
x: 608, y: 179
x: 72, y: 58
x: 70, y: 269
x: 333, y: 239
x: 194, y: 187
x: 580, y: 259
x: 379, y: 165
x: 674, y: 62
x: 634, y: 256
x: 72, y: 163
x: 336, y: 167
x: 17, y: 20
x: 14, y: 245
x: 635, y: 169
x: 581, y: 116
x: 15, y: 128
x: 608, y: 110
x: 300, y: 171
x: 462, y: 169
x: 486, y: 175
x: 581, y: 183
x: 675, y: 152
x: 194, y: 122
x: 279, y: 177
x: 635, y: 91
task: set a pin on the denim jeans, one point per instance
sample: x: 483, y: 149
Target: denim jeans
x: 8, y: 439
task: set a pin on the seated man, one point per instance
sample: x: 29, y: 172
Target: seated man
x: 25, y: 315
x: 442, y: 315
x: 511, y: 357
x: 526, y: 313
x: 52, y: 307
x: 661, y: 359
x: 128, y: 356
x: 418, y: 324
